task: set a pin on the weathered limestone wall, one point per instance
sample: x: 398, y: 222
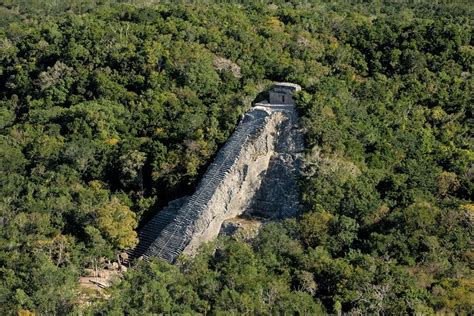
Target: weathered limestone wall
x: 278, y: 195
x: 235, y: 192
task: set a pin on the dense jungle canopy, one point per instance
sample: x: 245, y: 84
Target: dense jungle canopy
x: 110, y: 109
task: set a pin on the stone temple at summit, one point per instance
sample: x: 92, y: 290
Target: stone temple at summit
x: 281, y: 93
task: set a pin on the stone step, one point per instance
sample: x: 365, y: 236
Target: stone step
x: 167, y: 234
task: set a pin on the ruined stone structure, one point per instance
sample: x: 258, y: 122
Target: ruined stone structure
x: 254, y: 172
x: 281, y: 93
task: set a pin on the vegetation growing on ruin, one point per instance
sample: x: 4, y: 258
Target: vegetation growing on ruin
x: 108, y: 110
